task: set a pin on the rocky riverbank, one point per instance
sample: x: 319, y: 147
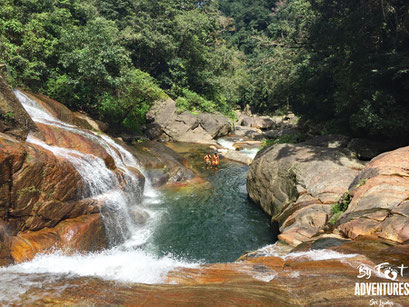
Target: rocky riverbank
x: 307, y: 188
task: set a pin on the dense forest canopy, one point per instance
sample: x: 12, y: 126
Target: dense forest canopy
x: 341, y: 65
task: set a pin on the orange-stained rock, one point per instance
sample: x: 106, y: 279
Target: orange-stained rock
x: 56, y: 136
x: 85, y: 233
x: 380, y: 206
x: 57, y: 109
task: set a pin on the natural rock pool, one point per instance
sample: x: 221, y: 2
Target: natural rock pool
x: 214, y: 221
x: 207, y: 222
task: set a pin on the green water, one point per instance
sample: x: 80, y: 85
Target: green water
x: 215, y: 222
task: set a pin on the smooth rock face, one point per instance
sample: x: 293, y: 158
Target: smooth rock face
x: 162, y: 164
x: 237, y: 156
x: 167, y: 124
x: 216, y: 125
x: 82, y: 234
x: 14, y: 119
x: 298, y: 184
x: 380, y: 206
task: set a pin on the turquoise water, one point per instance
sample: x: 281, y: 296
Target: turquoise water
x: 214, y: 222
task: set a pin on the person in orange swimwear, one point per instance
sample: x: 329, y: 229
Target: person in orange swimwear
x: 208, y: 160
x: 215, y: 160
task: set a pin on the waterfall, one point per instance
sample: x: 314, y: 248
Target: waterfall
x: 128, y: 259
x: 120, y: 204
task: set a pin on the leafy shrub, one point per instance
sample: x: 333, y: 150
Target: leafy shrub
x: 191, y: 101
x: 340, y: 207
x: 133, y: 100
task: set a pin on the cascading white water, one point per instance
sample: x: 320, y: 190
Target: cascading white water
x: 126, y: 260
x: 228, y: 143
x: 101, y: 182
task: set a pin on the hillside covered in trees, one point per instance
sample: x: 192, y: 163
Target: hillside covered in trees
x: 341, y: 65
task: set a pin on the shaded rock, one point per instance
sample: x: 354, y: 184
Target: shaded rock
x: 329, y: 141
x: 380, y: 206
x: 248, y: 132
x: 14, y: 119
x: 85, y: 233
x: 277, y: 133
x: 215, y: 124
x: 366, y: 149
x: 153, y: 131
x: 5, y: 257
x: 183, y: 127
x: 259, y: 122
x: 297, y: 184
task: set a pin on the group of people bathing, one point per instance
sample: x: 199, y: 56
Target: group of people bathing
x: 212, y: 161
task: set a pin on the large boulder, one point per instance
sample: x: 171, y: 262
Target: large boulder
x: 259, y: 122
x: 380, y: 206
x: 248, y: 132
x: 14, y: 119
x: 166, y: 123
x: 237, y: 156
x: 216, y: 125
x: 298, y: 184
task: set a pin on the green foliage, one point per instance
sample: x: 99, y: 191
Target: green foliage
x: 340, y: 207
x: 10, y: 117
x: 134, y: 96
x: 85, y: 54
x: 191, y: 101
x: 340, y: 64
x: 285, y: 139
x: 361, y: 183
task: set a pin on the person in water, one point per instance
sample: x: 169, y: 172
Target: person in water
x: 208, y: 160
x: 215, y: 160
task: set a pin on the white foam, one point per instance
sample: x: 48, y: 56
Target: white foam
x: 228, y: 143
x: 126, y: 266
x: 320, y: 254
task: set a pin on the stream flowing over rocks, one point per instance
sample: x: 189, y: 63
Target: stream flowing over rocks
x: 79, y: 211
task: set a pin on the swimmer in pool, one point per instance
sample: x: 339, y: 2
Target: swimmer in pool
x: 208, y: 160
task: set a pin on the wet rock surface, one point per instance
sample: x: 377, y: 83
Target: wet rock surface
x: 262, y: 278
x: 162, y: 164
